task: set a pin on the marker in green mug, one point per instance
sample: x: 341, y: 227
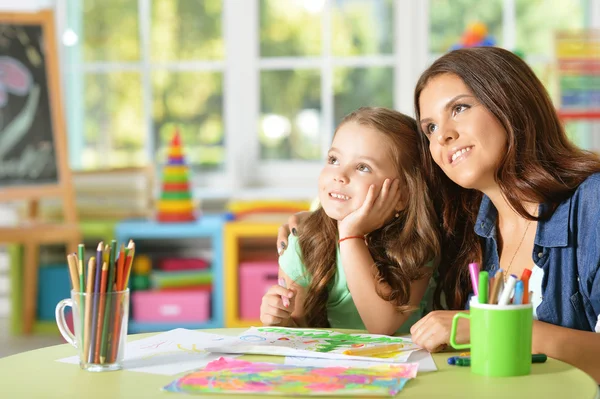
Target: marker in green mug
x: 465, y: 361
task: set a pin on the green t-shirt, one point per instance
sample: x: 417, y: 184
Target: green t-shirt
x: 341, y: 311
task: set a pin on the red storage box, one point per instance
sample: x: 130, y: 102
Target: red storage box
x: 178, y: 264
x: 171, y: 306
x: 255, y: 280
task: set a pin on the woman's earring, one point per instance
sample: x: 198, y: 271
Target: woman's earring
x: 397, y: 215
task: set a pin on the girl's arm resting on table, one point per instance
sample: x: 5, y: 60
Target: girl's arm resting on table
x: 578, y: 348
x: 378, y: 315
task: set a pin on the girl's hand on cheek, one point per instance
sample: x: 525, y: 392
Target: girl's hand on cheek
x: 374, y: 212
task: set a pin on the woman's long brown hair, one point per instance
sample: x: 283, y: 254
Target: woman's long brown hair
x: 540, y: 165
x: 401, y: 248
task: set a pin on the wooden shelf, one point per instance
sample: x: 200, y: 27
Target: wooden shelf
x: 234, y: 233
x: 207, y: 226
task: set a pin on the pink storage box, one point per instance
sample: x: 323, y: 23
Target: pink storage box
x: 255, y: 280
x: 171, y: 306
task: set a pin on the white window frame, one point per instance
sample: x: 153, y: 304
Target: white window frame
x: 245, y: 175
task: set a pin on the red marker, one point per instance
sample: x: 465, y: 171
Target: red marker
x: 525, y: 279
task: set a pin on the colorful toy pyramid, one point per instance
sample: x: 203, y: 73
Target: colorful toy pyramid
x: 175, y: 203
x: 476, y: 35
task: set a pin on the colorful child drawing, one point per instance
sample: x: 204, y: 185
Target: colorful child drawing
x: 237, y: 376
x: 313, y: 343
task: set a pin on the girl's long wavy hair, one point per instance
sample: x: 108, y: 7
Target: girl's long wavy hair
x: 540, y: 165
x: 400, y: 248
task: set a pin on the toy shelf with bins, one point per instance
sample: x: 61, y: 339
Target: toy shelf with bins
x: 208, y: 231
x: 54, y: 282
x: 245, y: 241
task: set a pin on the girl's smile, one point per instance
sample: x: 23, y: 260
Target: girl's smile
x: 339, y: 197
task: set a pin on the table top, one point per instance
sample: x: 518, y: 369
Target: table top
x: 37, y: 374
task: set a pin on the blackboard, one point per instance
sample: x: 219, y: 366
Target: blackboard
x: 27, y: 139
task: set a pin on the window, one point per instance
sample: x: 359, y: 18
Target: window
x: 139, y: 70
x: 525, y: 26
x: 256, y: 87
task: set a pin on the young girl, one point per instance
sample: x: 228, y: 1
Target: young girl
x: 364, y: 259
x: 533, y: 204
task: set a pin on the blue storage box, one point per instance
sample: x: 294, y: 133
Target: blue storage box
x: 53, y: 285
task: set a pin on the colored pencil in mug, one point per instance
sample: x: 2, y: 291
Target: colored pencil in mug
x: 80, y: 266
x: 120, y: 267
x: 89, y: 289
x: 114, y: 338
x: 96, y: 302
x: 101, y: 306
x: 73, y: 271
x: 81, y: 270
x: 129, y: 262
x: 108, y: 311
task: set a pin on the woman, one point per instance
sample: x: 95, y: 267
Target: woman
x: 533, y: 200
x: 514, y: 194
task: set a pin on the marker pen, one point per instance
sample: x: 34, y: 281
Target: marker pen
x: 474, y: 272
x: 508, y: 288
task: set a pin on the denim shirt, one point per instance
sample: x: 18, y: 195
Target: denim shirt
x: 567, y: 248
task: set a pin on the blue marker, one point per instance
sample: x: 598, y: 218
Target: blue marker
x: 518, y: 298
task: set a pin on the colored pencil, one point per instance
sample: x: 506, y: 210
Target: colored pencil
x: 108, y: 310
x: 101, y: 306
x: 116, y: 338
x: 88, y: 307
x: 120, y: 267
x: 81, y: 270
x: 114, y: 341
x: 96, y: 301
x: 81, y: 260
x: 129, y: 262
x: 73, y: 271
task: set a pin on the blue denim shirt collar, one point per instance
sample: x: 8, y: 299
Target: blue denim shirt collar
x: 552, y: 233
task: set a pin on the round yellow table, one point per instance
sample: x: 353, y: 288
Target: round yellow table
x: 36, y: 374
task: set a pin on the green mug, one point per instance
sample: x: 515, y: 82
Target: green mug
x: 500, y: 339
